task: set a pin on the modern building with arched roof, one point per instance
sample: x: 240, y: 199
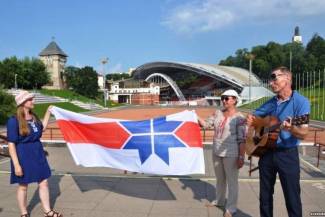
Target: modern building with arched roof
x: 184, y: 81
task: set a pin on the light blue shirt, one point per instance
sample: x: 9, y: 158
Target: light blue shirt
x: 297, y: 105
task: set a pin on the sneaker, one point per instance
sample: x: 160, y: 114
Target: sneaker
x: 215, y: 203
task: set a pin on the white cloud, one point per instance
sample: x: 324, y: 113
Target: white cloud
x: 79, y: 65
x: 211, y: 15
x: 115, y: 68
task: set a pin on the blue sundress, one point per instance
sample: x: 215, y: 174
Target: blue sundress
x: 30, y: 152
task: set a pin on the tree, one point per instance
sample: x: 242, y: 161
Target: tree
x: 10, y: 67
x: 117, y: 76
x: 84, y: 81
x: 272, y: 55
x: 30, y: 73
x: 71, y: 76
x: 7, y: 107
x: 316, y: 47
x: 39, y: 73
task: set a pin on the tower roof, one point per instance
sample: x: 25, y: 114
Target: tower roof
x: 52, y: 49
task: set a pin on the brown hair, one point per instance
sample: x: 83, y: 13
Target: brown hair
x: 23, y: 126
x: 283, y: 69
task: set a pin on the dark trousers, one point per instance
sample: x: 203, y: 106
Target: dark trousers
x: 286, y: 163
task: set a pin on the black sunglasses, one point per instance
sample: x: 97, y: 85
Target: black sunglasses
x: 226, y: 98
x: 274, y: 77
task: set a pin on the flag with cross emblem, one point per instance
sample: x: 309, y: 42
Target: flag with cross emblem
x: 169, y: 145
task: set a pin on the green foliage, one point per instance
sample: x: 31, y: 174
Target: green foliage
x: 40, y: 109
x: 31, y: 73
x: 316, y: 47
x: 186, y: 80
x: 83, y: 81
x: 272, y: 55
x: 71, y: 95
x: 71, y: 74
x: 117, y: 76
x: 8, y: 106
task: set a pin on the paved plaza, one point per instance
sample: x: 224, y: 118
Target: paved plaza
x: 99, y: 192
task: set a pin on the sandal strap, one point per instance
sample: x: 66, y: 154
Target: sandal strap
x: 53, y: 214
x: 25, y: 215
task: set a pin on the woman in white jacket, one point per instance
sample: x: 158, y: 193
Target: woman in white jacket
x: 228, y: 150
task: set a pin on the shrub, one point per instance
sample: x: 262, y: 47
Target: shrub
x: 7, y: 106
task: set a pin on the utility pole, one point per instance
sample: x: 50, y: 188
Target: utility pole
x: 16, y: 86
x: 104, y: 61
x: 290, y: 66
x: 251, y: 57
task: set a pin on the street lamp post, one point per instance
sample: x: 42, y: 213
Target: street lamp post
x: 251, y: 57
x: 290, y: 60
x: 104, y: 61
x: 16, y: 86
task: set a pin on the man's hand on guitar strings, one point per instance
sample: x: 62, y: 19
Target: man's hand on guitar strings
x: 286, y: 124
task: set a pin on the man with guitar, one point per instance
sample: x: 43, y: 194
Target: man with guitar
x: 282, y: 157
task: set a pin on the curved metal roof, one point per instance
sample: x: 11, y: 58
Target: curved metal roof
x: 228, y: 74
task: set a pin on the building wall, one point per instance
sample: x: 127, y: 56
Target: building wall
x: 144, y: 99
x: 54, y: 65
x: 100, y: 81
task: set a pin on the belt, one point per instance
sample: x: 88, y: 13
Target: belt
x: 282, y: 149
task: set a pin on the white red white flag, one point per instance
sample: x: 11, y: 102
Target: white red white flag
x: 169, y: 145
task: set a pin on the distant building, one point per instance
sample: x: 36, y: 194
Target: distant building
x: 134, y: 92
x: 54, y: 59
x: 130, y: 71
x: 297, y: 37
x: 100, y: 80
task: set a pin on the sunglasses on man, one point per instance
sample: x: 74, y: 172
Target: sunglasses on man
x: 274, y: 77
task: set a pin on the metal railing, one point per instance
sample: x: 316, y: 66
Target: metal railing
x: 309, y: 84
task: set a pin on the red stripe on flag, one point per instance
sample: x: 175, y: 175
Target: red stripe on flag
x: 190, y: 133
x: 110, y: 135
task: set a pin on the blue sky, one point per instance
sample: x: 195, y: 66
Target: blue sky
x: 133, y: 32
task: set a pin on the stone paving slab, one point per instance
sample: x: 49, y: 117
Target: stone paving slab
x: 122, y: 197
x: 79, y: 191
x: 65, y: 164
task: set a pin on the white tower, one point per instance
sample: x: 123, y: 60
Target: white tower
x: 297, y: 37
x: 54, y: 59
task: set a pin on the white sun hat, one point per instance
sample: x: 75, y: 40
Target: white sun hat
x: 23, y: 96
x: 230, y: 93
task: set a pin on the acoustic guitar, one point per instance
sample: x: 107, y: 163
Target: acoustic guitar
x: 263, y: 133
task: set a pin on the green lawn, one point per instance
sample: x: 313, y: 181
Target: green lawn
x: 70, y: 95
x: 40, y: 109
x: 67, y: 94
x: 316, y: 97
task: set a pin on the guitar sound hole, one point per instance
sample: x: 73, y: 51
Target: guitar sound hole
x: 256, y: 140
x: 261, y: 131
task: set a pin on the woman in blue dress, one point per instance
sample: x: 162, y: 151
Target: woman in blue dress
x: 28, y: 161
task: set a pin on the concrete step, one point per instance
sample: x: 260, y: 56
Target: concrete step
x: 88, y: 106
x: 39, y: 98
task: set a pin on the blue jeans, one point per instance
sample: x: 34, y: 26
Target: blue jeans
x: 286, y: 163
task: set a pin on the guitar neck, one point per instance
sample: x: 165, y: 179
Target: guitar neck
x: 304, y: 119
